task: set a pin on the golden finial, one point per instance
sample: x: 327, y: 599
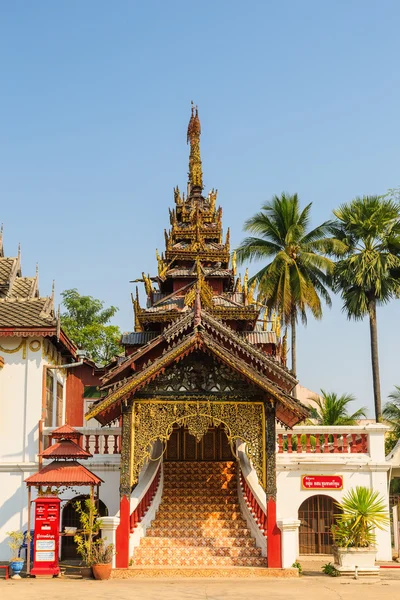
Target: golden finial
x: 177, y: 195
x: 278, y: 325
x: 284, y: 346
x: 246, y: 282
x: 273, y: 321
x: 228, y: 237
x: 265, y: 320
x: 239, y: 285
x: 147, y: 284
x: 252, y: 288
x: 234, y: 264
x: 212, y: 196
x: 193, y: 137
x: 136, y: 308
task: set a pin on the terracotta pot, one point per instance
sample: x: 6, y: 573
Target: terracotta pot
x: 102, y: 571
x: 87, y: 572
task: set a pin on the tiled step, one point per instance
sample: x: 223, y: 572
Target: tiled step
x: 200, y: 486
x: 184, y: 542
x: 196, y: 500
x: 200, y: 552
x: 181, y: 521
x: 199, y: 523
x: 201, y: 477
x: 193, y: 560
x: 205, y: 531
x: 202, y: 493
x: 199, y: 512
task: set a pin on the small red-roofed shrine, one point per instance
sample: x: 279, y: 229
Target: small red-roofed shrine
x: 63, y: 471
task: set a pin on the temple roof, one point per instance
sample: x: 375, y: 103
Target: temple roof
x: 65, y: 449
x: 27, y: 312
x: 63, y: 473
x: 202, y: 332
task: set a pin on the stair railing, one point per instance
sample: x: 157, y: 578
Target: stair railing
x: 259, y: 513
x: 252, y: 499
x: 144, y: 503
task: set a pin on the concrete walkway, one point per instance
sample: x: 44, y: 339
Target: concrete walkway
x: 310, y: 587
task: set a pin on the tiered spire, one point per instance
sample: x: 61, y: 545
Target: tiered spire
x: 193, y: 137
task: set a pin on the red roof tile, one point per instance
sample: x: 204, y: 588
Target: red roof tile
x: 65, y: 449
x: 64, y: 473
x: 65, y: 432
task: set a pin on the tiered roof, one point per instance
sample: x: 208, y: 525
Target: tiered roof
x: 64, y: 470
x: 196, y: 304
x: 23, y: 312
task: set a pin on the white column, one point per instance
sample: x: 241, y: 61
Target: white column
x: 395, y: 529
x: 289, y: 541
x: 108, y: 532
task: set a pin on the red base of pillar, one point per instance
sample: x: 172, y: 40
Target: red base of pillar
x: 274, y: 557
x: 122, y: 535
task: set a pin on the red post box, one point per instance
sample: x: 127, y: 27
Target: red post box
x: 46, y: 536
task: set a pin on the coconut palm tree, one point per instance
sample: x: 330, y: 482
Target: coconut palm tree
x: 391, y: 412
x: 333, y: 409
x: 368, y: 273
x: 295, y: 277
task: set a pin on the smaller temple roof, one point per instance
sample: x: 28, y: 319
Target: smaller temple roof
x: 65, y: 449
x: 60, y: 473
x: 27, y: 312
x: 65, y: 432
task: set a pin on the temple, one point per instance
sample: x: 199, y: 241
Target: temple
x: 201, y: 365
x: 203, y: 453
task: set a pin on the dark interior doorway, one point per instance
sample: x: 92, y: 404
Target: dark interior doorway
x: 70, y: 518
x: 213, y: 446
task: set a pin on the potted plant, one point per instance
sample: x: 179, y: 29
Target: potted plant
x: 15, y: 542
x: 102, y: 557
x: 89, y: 529
x: 362, y: 510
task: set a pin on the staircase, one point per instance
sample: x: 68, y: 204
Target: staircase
x: 198, y: 523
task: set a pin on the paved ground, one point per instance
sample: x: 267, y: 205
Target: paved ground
x: 308, y: 586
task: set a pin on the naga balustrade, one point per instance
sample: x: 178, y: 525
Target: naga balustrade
x: 316, y: 439
x: 259, y: 513
x: 95, y: 440
x: 146, y: 500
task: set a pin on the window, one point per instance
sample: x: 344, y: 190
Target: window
x: 59, y: 404
x: 49, y: 399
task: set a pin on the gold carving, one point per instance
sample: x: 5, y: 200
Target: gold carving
x: 21, y: 346
x: 34, y: 345
x: 154, y: 419
x: 193, y: 137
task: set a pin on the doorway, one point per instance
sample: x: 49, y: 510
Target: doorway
x: 213, y: 446
x: 70, y: 518
x: 316, y: 515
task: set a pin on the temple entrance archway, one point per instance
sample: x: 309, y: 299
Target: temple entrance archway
x: 158, y: 420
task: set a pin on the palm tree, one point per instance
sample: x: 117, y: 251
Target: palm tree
x: 295, y: 277
x: 367, y: 274
x: 391, y: 413
x: 332, y: 410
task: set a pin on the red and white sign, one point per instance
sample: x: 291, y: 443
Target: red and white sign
x: 46, y: 537
x: 322, y: 482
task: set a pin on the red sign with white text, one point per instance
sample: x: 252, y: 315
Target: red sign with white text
x: 46, y: 537
x: 322, y: 482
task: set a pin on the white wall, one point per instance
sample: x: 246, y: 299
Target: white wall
x: 20, y: 411
x: 291, y: 495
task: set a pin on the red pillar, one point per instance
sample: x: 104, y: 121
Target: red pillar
x: 274, y: 554
x: 274, y: 557
x: 122, y: 535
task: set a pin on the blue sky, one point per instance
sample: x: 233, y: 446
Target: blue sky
x: 301, y: 96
